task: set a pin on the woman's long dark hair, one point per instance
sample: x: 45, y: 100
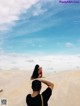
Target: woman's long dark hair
x: 35, y: 72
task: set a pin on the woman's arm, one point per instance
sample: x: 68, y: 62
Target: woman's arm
x: 48, y: 83
x: 40, y: 72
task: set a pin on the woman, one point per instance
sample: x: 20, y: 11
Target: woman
x: 37, y: 73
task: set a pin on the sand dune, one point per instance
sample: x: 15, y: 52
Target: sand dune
x: 16, y: 85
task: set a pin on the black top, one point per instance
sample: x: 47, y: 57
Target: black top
x: 36, y: 101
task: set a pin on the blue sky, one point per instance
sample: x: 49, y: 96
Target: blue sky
x: 39, y: 27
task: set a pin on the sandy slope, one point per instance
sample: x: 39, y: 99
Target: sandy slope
x: 16, y: 85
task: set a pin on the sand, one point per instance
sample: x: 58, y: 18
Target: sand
x: 16, y: 85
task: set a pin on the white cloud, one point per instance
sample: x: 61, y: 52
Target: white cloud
x: 39, y: 6
x: 38, y: 10
x: 69, y: 44
x: 48, y: 62
x: 11, y: 9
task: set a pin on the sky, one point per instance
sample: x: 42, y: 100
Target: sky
x: 44, y: 32
x: 39, y: 27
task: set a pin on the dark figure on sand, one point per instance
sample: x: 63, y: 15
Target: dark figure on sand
x: 37, y: 73
x: 1, y: 90
x: 37, y: 99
